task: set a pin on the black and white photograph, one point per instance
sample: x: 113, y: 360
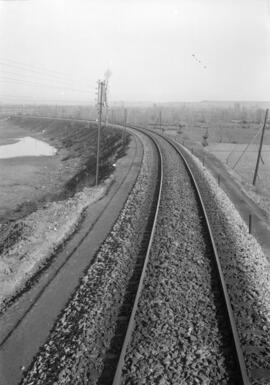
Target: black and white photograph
x: 134, y: 192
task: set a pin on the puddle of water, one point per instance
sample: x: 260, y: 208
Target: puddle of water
x: 26, y: 146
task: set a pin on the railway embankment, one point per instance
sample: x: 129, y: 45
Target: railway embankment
x: 31, y: 232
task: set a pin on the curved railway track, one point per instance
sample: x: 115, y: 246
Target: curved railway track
x: 113, y: 367
x: 125, y: 323
x: 115, y: 359
x: 237, y: 345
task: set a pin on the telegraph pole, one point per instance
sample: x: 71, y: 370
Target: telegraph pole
x: 160, y: 119
x: 101, y: 85
x: 260, y: 148
x: 112, y: 116
x: 125, y: 127
x: 107, y: 76
x: 105, y: 101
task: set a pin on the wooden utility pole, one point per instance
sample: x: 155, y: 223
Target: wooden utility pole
x: 100, y: 105
x: 107, y: 75
x: 105, y: 101
x: 125, y: 127
x: 260, y: 148
x: 160, y: 120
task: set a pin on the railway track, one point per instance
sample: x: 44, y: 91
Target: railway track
x: 125, y: 323
x: 118, y: 364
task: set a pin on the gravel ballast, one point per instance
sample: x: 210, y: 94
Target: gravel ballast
x: 181, y: 334
x: 246, y: 271
x: 74, y: 351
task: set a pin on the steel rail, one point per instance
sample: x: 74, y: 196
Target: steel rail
x: 237, y: 344
x: 131, y: 323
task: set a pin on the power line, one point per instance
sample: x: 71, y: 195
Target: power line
x: 58, y: 82
x: 40, y: 74
x: 24, y: 99
x: 33, y: 71
x: 37, y: 69
x: 29, y: 82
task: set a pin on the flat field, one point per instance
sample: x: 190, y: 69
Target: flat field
x: 230, y: 143
x: 224, y: 132
x: 242, y: 159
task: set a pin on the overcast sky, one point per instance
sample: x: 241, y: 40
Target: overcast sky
x: 157, y: 50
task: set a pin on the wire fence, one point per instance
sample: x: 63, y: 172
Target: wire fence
x: 241, y: 158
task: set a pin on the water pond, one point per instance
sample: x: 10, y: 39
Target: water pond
x: 26, y: 146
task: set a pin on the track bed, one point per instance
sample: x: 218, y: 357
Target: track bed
x: 182, y: 332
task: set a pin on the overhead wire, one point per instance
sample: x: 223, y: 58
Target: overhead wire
x: 39, y: 77
x: 33, y: 83
x: 39, y: 74
x: 36, y: 69
x: 21, y: 64
x: 24, y: 98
